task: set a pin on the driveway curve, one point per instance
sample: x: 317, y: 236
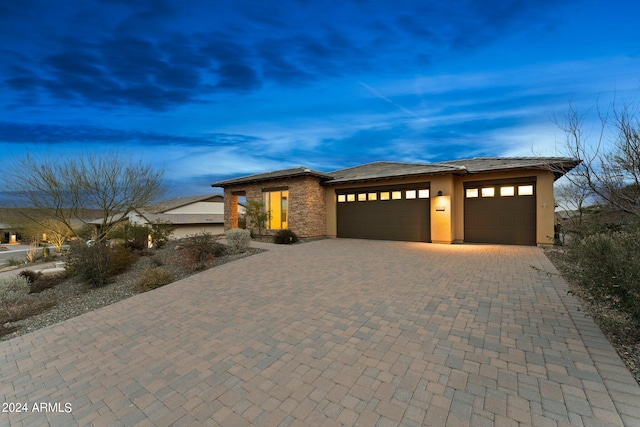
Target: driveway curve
x: 332, y: 332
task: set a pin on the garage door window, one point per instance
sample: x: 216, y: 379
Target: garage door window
x: 525, y: 190
x: 472, y: 193
x: 411, y: 194
x: 423, y: 194
x: 373, y: 196
x: 488, y: 192
x: 396, y: 195
x: 507, y: 191
x: 384, y: 195
x: 362, y: 197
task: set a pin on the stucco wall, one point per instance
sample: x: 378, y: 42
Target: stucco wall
x: 448, y: 226
x: 544, y: 202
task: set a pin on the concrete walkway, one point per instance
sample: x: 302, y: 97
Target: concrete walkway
x: 332, y: 332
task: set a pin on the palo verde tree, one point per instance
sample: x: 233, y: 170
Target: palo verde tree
x: 64, y: 189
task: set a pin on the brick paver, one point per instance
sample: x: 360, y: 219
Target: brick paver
x: 333, y: 332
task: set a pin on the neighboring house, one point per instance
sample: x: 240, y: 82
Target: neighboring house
x: 7, y: 235
x: 480, y: 200
x: 189, y: 215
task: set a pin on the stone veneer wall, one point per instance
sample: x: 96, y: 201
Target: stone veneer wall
x: 306, y: 204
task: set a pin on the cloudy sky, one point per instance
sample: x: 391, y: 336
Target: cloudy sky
x: 213, y: 89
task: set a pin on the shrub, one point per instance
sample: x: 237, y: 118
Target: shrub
x: 13, y: 289
x: 161, y: 232
x: 97, y: 264
x: 26, y: 307
x: 200, y: 249
x: 30, y: 275
x: 285, y: 237
x: 238, y: 239
x: 153, y: 278
x: 45, y: 282
x: 608, y: 265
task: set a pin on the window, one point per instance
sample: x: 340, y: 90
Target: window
x: 384, y: 195
x: 507, y: 191
x: 411, y: 194
x: 362, y: 197
x: 276, y: 203
x: 396, y: 195
x: 472, y: 193
x: 488, y: 192
x: 342, y: 198
x: 525, y: 190
x: 373, y: 196
x: 351, y: 197
x: 423, y: 194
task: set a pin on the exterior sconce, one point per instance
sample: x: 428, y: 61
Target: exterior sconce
x: 439, y: 193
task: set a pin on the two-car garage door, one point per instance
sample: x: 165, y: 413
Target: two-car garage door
x: 385, y: 213
x: 501, y: 212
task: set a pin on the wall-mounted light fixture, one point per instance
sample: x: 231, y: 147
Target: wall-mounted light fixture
x: 439, y: 193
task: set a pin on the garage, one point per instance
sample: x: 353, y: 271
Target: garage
x: 502, y: 212
x: 385, y: 213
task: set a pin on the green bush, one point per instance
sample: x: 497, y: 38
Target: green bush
x: 285, y: 237
x: 608, y: 264
x: 238, y: 240
x: 13, y: 288
x: 153, y: 278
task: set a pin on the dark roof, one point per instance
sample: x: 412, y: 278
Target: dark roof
x: 386, y: 170
x: 489, y: 164
x: 284, y: 173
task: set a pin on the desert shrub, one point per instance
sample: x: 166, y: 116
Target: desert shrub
x: 238, y: 240
x: 13, y: 289
x: 23, y: 308
x: 608, y: 265
x: 157, y: 261
x: 153, y: 278
x: 161, y: 232
x: 30, y: 275
x: 14, y: 262
x: 200, y: 249
x: 96, y: 265
x: 45, y: 282
x: 285, y: 237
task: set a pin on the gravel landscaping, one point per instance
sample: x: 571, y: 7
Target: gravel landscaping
x: 621, y: 330
x: 73, y: 298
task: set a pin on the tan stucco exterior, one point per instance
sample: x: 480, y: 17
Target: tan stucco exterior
x: 447, y: 225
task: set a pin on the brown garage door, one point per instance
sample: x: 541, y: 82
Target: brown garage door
x: 385, y: 213
x: 500, y: 212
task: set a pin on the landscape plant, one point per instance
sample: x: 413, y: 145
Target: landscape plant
x: 97, y: 264
x: 256, y: 215
x: 153, y: 278
x: 63, y: 189
x: 238, y: 240
x: 200, y: 249
x: 285, y: 237
x: 13, y: 288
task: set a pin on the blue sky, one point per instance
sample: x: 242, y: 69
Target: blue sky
x: 209, y: 90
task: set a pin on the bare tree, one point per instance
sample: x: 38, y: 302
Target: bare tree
x: 610, y: 167
x: 56, y: 190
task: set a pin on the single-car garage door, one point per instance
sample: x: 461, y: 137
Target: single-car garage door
x: 385, y: 213
x: 500, y: 212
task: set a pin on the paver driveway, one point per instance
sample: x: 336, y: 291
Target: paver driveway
x: 333, y: 332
